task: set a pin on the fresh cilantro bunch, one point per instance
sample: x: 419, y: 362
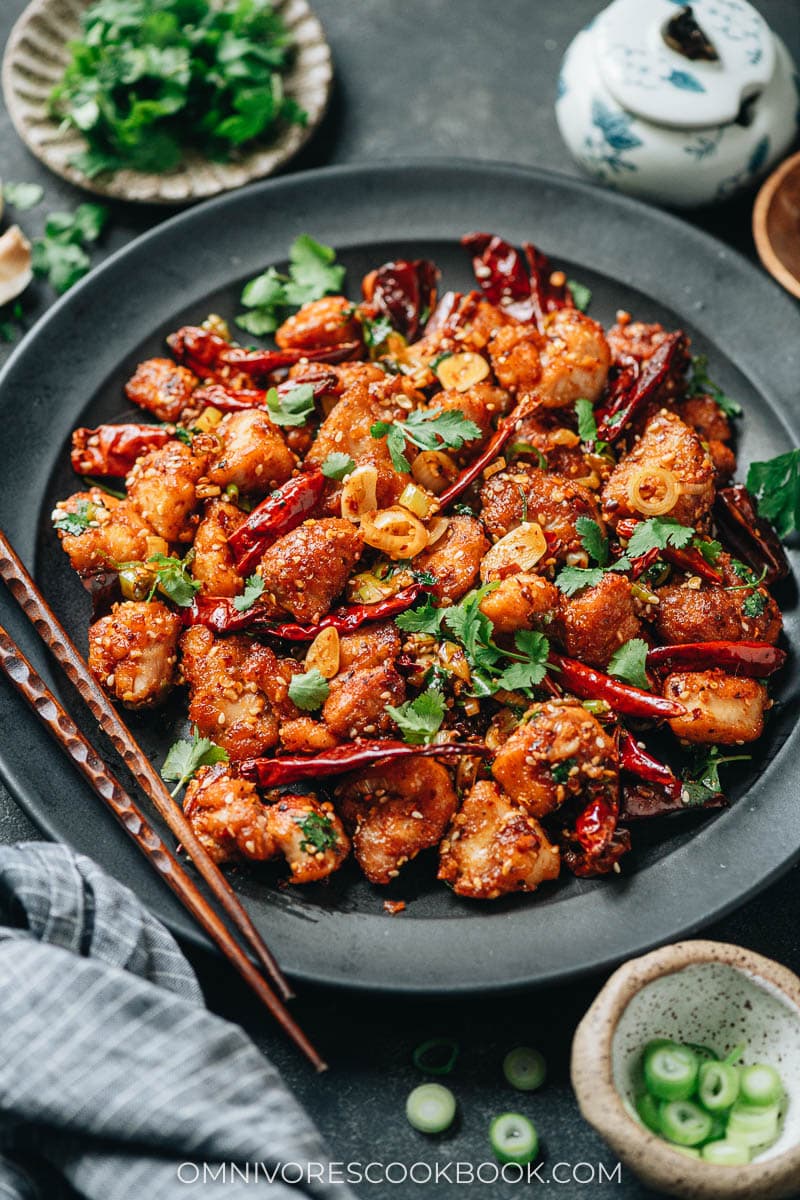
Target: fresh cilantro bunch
x: 430, y: 430
x: 271, y: 296
x: 149, y: 79
x: 186, y: 756
x: 60, y: 254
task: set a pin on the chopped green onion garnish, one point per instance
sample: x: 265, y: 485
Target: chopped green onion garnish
x: 647, y: 1108
x: 431, y: 1108
x: 684, y: 1122
x: 718, y: 1086
x: 525, y: 1069
x: 760, y: 1084
x: 436, y: 1056
x: 753, y: 1126
x: 513, y: 1138
x: 670, y: 1070
x: 726, y: 1153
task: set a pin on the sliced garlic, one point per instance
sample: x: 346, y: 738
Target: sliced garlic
x: 519, y: 550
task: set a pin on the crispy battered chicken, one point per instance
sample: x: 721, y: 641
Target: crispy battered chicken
x: 162, y: 388
x: 305, y: 570
x: 594, y: 624
x: 108, y: 532
x: 133, y: 652
x: 493, y: 847
x: 253, y: 454
x: 213, y: 565
x: 721, y: 708
x: 455, y: 559
x: 529, y: 494
x: 162, y: 487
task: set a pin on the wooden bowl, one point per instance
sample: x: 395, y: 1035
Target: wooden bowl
x: 34, y: 60
x: 703, y: 992
x: 776, y: 224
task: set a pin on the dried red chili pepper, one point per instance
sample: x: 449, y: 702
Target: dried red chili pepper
x: 272, y: 772
x: 500, y: 272
x: 638, y: 761
x: 750, y: 536
x: 613, y: 421
x: 641, y: 801
x: 584, y: 863
x: 198, y: 349
x: 489, y: 453
x: 282, y: 511
x: 687, y: 560
x: 228, y: 399
x: 113, y: 449
x: 755, y: 660
x: 263, y: 362
x: 405, y: 292
x: 444, y: 312
x: 549, y: 289
x: 220, y: 614
x: 591, y: 684
x: 595, y: 825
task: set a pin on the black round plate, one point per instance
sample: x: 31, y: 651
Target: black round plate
x: 70, y: 371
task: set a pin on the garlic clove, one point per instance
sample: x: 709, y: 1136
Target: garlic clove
x: 15, y: 264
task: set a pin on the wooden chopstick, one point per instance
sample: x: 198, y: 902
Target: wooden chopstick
x: 80, y: 751
x: 25, y: 591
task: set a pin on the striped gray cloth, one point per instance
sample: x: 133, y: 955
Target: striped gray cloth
x: 113, y: 1075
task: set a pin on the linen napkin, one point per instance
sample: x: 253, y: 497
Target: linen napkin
x: 113, y: 1075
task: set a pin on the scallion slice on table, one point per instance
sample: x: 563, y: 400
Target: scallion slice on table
x: 437, y: 1056
x: 684, y: 1122
x: 513, y: 1139
x: 431, y: 1108
x: 525, y: 1068
x: 670, y: 1070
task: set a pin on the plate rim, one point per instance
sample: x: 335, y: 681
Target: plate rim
x: 605, y: 957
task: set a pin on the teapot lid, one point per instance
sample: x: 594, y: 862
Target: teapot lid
x: 684, y: 65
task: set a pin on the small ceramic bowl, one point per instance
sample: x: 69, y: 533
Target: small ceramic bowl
x: 702, y: 992
x: 776, y: 224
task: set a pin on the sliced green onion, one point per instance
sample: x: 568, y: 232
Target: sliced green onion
x: 684, y: 1122
x: 760, y: 1084
x: 718, y: 1086
x: 437, y: 1056
x: 735, y: 1054
x: 670, y: 1070
x: 431, y: 1108
x: 525, y: 1069
x: 513, y: 1139
x: 753, y: 1126
x: 647, y: 1108
x: 726, y: 1153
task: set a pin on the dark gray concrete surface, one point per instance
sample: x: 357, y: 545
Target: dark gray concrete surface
x: 471, y: 79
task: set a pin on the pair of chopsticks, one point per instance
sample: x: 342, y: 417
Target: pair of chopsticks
x: 56, y: 720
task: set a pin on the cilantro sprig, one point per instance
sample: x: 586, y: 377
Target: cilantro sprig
x: 572, y: 580
x: 657, y: 533
x: 172, y: 578
x: 60, y: 254
x: 310, y: 690
x: 581, y: 294
x: 22, y: 196
x: 701, y: 385
x: 337, y: 465
x: 75, y: 523
x: 430, y: 430
x: 776, y: 487
x: 319, y: 833
x: 253, y: 589
x: 186, y: 756
x: 701, y: 781
x: 419, y: 720
x: 587, y: 426
x: 271, y: 296
x: 292, y: 409
x: 628, y: 663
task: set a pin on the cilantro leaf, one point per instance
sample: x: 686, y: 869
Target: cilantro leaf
x: 253, y: 588
x: 754, y: 604
x: 186, y: 757
x: 319, y: 833
x: 60, y: 254
x: 376, y: 330
x: 628, y: 663
x: 425, y: 618
x: 313, y: 271
x: 294, y: 408
x: 593, y: 540
x: 309, y: 691
x: 581, y: 294
x: 710, y: 549
x: 22, y: 196
x: 701, y: 778
x: 776, y: 487
x: 77, y: 522
x: 658, y: 533
x: 587, y: 425
x: 561, y: 770
x: 522, y: 675
x: 571, y: 580
x: 337, y: 465
x: 701, y: 385
x: 473, y: 628
x: 419, y: 720
x: 429, y: 430
x: 173, y: 579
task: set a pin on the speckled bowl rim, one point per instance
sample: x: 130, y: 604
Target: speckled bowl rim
x: 310, y: 78
x: 602, y: 1106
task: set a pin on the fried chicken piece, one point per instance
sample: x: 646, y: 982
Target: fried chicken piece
x: 162, y: 388
x: 253, y: 453
x: 674, y: 454
x: 598, y: 620
x: 326, y: 322
x: 304, y: 735
x: 711, y: 613
x: 305, y: 570
x: 560, y: 751
x: 228, y: 816
x: 553, y: 502
x: 455, y: 559
x: 521, y: 601
x: 494, y: 847
x: 639, y: 341
x: 133, y: 652
x: 366, y: 682
x: 574, y: 357
x: 395, y: 811
x: 115, y: 532
x: 369, y: 646
x: 514, y: 351
x: 309, y: 835
x: 162, y: 487
x: 213, y: 565
x: 723, y: 709
x: 238, y: 691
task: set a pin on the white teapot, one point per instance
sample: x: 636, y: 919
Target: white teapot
x: 680, y: 104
